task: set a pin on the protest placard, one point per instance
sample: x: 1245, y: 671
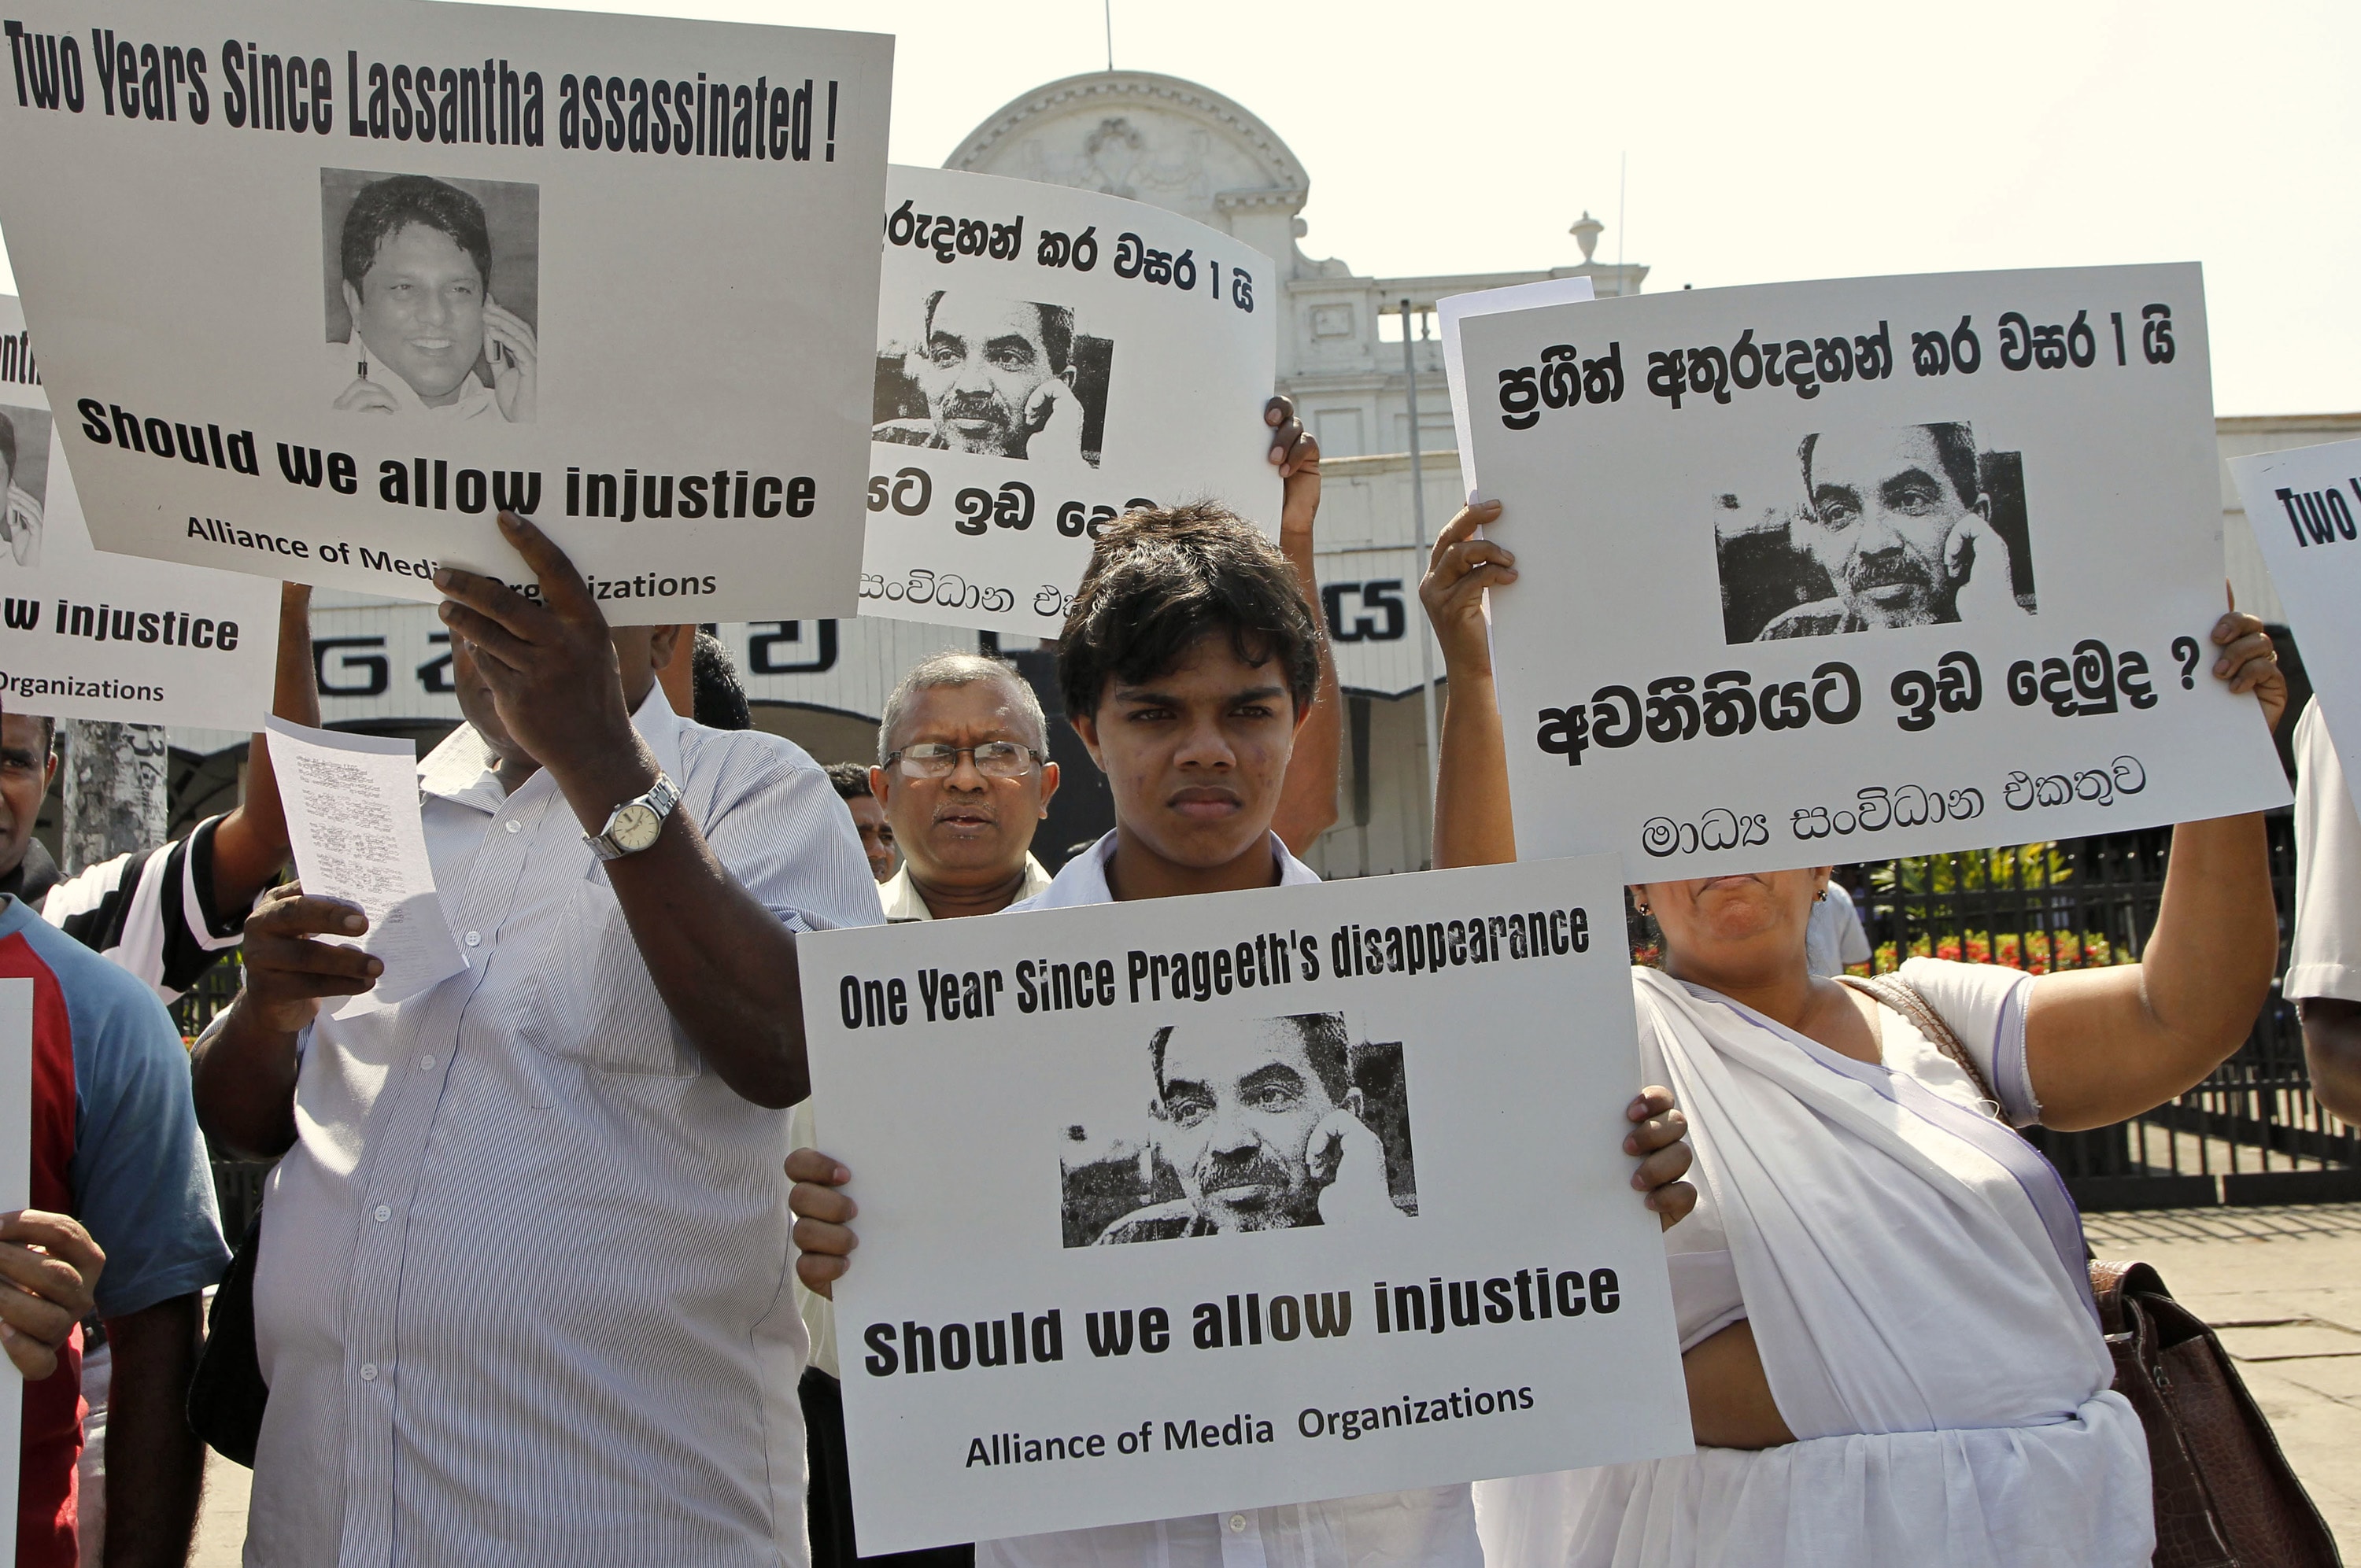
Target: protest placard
x: 92, y: 636
x: 16, y: 1193
x: 297, y: 271
x: 1048, y: 359
x: 2303, y: 506
x: 1836, y: 571
x: 1454, y: 309
x: 1402, y: 1251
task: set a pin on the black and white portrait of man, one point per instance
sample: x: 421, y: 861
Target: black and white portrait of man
x: 1001, y: 378
x: 1263, y: 1125
x: 24, y: 479
x: 425, y: 334
x: 1897, y: 526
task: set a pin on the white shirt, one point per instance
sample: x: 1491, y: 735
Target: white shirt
x: 1983, y: 1003
x: 1834, y: 937
x: 902, y: 900
x: 1432, y: 1529
x: 475, y: 400
x: 524, y: 1297
x: 2325, y: 958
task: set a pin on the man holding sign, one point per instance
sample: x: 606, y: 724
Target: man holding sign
x: 525, y: 1274
x: 1189, y: 664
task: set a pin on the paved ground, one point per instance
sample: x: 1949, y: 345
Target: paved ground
x: 2282, y: 1286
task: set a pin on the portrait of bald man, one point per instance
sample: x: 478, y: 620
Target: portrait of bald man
x: 998, y: 377
x: 1900, y: 519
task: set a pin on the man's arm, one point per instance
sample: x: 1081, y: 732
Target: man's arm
x: 2332, y: 1050
x: 1307, y: 798
x: 723, y: 964
x: 251, y: 845
x: 155, y: 1463
x: 245, y: 1063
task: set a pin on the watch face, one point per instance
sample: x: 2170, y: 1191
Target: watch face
x: 635, y: 828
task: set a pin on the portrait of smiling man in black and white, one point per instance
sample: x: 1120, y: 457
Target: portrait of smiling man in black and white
x: 1262, y: 1125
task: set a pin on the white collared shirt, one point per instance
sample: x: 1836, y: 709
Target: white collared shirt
x: 2324, y: 955
x: 1433, y: 1528
x: 475, y: 400
x: 903, y: 901
x: 525, y: 1292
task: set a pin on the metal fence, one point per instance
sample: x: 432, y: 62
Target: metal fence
x: 2250, y: 1134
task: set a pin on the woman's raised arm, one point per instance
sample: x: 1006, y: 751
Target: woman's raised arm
x: 1472, y: 823
x: 2105, y: 1044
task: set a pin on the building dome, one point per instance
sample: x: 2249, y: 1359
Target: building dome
x: 1150, y: 138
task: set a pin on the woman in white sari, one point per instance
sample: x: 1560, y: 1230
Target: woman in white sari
x: 1891, y: 1352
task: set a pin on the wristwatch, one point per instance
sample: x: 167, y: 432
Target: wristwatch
x: 635, y: 824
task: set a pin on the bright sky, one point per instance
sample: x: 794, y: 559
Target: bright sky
x: 1766, y: 142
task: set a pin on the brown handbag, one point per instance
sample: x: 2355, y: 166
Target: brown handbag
x: 2225, y: 1496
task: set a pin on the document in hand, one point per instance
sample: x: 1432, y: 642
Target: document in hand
x: 1047, y: 361
x: 2305, y: 509
x: 1192, y: 1204
x: 321, y: 286
x: 1835, y: 571
x: 92, y: 636
x: 352, y: 816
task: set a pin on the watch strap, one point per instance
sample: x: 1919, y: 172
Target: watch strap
x: 660, y: 798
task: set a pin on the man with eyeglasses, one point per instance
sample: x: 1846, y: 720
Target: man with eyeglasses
x: 964, y: 777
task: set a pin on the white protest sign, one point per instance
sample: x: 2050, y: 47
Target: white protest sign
x: 16, y: 1193
x: 1047, y: 361
x: 1449, y: 312
x: 353, y: 822
x: 1842, y: 570
x: 2305, y: 509
x: 92, y: 636
x: 323, y: 285
x: 1377, y: 1126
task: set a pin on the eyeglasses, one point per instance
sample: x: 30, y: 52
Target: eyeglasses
x: 993, y: 760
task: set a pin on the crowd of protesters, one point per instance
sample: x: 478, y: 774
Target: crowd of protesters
x: 519, y: 1294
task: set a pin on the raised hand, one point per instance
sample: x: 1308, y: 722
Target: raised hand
x: 1459, y: 569
x: 2249, y: 661
x: 553, y: 672
x: 1296, y: 452
x: 514, y: 355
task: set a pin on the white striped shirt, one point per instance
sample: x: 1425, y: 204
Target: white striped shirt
x: 522, y: 1293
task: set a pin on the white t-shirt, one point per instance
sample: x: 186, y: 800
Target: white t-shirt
x: 2325, y: 958
x: 1834, y: 938
x: 1983, y: 1003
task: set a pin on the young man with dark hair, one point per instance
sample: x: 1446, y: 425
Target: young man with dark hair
x: 416, y: 260
x: 1188, y: 663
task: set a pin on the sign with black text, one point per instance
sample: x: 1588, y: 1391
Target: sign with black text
x: 1837, y: 571
x: 1192, y: 1204
x: 109, y: 637
x: 1048, y: 359
x: 2305, y: 509
x: 321, y: 288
